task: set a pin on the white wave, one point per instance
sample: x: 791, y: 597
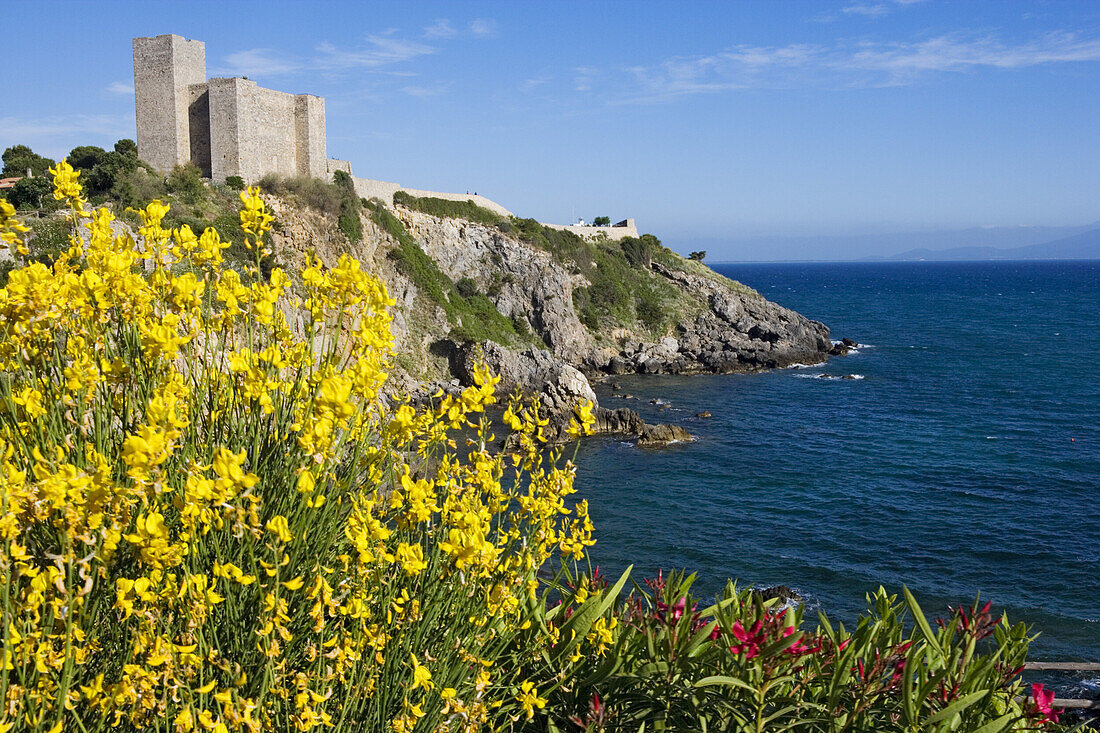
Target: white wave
x: 804, y: 366
x: 820, y: 375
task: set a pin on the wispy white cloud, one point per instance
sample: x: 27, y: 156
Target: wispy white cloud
x: 423, y: 92
x: 528, y: 84
x: 483, y: 27
x: 380, y: 50
x: 865, y: 64
x: 121, y: 88
x: 584, y: 77
x: 55, y: 135
x: 866, y: 9
x: 873, y: 10
x: 257, y: 62
x: 442, y: 28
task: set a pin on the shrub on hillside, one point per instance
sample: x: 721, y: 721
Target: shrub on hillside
x: 185, y: 181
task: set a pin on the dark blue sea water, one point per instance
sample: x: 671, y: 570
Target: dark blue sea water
x: 966, y: 458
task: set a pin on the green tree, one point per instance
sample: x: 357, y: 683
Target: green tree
x: 602, y: 221
x: 30, y: 193
x: 113, y: 165
x: 126, y: 147
x: 18, y: 158
x: 85, y: 157
x: 698, y: 256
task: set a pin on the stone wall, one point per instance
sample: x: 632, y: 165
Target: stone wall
x: 199, y: 117
x: 619, y: 231
x: 370, y: 189
x: 309, y: 120
x: 225, y: 152
x: 165, y: 67
x: 226, y: 127
x: 332, y: 165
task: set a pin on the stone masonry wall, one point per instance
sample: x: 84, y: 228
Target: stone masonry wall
x: 309, y: 119
x: 267, y: 132
x: 593, y: 233
x: 369, y: 189
x: 225, y: 154
x: 479, y: 200
x: 164, y: 69
x: 199, y: 118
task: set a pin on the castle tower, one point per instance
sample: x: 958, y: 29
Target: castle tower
x: 171, y: 102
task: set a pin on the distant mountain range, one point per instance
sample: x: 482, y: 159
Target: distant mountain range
x: 1083, y: 246
x: 974, y: 243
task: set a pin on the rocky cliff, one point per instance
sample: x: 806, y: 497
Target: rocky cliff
x: 549, y: 313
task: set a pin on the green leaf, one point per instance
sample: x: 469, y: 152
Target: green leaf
x: 921, y: 621
x: 956, y: 707
x: 581, y: 622
x: 725, y: 681
x: 698, y: 643
x: 1002, y: 723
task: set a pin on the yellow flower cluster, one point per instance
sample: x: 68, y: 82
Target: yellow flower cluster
x: 210, y: 521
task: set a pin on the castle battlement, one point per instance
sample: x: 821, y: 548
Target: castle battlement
x: 224, y: 126
x: 234, y: 127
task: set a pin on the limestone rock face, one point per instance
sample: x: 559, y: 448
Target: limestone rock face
x: 525, y: 282
x: 534, y: 372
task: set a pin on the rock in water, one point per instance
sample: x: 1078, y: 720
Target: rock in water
x: 658, y: 436
x: 783, y: 595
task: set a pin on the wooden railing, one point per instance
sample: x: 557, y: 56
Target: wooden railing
x: 1067, y: 702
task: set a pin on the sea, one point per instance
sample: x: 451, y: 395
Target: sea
x: 955, y: 452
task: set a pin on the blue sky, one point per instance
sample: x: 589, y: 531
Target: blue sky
x: 704, y: 121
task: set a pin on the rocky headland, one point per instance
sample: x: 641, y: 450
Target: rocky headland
x: 533, y: 305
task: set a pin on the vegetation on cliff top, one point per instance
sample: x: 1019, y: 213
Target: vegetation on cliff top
x: 445, y: 208
x: 473, y: 316
x: 209, y: 521
x: 623, y: 290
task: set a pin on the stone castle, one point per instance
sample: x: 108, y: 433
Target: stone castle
x: 234, y: 127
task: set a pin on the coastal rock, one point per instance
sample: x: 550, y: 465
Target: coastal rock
x: 619, y: 365
x: 703, y: 414
x: 741, y: 331
x: 656, y: 436
x: 625, y: 421
x: 783, y: 595
x: 534, y: 371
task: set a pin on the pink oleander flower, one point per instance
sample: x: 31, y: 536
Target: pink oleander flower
x: 750, y: 640
x: 1044, y: 700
